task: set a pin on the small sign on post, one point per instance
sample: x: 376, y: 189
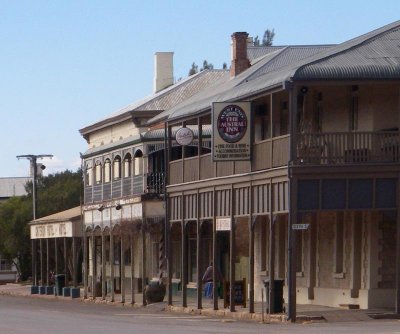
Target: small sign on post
x: 300, y: 226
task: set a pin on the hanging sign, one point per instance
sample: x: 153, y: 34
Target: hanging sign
x: 184, y: 136
x: 231, y: 131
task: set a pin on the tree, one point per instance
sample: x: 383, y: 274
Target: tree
x: 56, y: 192
x: 268, y: 37
x: 194, y: 69
x: 224, y: 66
x: 256, y: 41
x: 207, y: 66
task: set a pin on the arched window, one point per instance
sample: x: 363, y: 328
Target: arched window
x: 117, y: 168
x: 107, y: 170
x: 138, y: 163
x: 98, y: 172
x: 89, y: 176
x: 128, y: 165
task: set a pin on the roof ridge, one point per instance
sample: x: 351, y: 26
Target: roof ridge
x: 342, y: 47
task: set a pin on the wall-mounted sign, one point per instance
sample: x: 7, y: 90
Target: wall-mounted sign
x: 223, y: 224
x: 55, y: 230
x: 300, y: 226
x: 184, y: 136
x: 231, y: 131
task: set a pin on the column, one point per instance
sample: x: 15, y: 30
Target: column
x: 252, y: 221
x: 103, y: 266
x: 271, y: 263
x: 198, y: 264
x: 85, y: 266
x: 184, y: 263
x: 34, y: 262
x: 122, y: 264
x: 65, y: 263
x: 143, y: 261
x: 132, y: 268
x: 47, y: 262
x: 74, y: 269
x: 41, y: 263
x: 112, y: 261
x: 232, y: 255
x: 93, y: 265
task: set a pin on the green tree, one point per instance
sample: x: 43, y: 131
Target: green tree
x: 224, y: 66
x: 268, y: 37
x: 56, y: 192
x: 194, y: 69
x: 256, y: 41
x: 207, y: 66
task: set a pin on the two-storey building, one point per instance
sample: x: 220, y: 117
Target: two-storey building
x: 316, y: 204
x: 124, y: 184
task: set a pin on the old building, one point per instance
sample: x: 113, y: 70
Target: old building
x: 124, y: 216
x: 312, y: 196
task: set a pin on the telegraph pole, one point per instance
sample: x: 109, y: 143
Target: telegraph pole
x: 33, y: 161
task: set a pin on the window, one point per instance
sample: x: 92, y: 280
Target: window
x: 299, y: 251
x: 262, y: 123
x: 339, y: 244
x: 263, y: 246
x: 5, y: 265
x: 89, y: 176
x: 128, y: 165
x: 318, y: 112
x: 117, y: 168
x: 98, y: 172
x: 284, y: 119
x: 138, y: 163
x: 107, y: 170
x: 353, y: 117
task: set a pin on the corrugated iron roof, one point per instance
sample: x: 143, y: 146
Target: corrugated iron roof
x: 63, y: 216
x: 376, y: 56
x: 169, y: 97
x: 13, y: 186
x: 371, y: 56
x: 255, y: 52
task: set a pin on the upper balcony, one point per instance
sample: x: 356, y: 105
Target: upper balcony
x: 337, y: 148
x: 151, y: 184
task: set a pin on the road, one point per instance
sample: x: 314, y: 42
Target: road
x: 22, y: 315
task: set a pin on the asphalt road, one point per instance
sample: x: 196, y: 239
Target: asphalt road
x: 22, y: 315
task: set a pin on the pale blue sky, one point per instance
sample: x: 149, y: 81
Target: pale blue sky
x: 66, y: 64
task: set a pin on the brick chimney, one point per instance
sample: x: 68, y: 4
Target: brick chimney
x: 163, y: 70
x: 240, y: 62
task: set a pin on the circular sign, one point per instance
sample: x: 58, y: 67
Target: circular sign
x: 232, y: 123
x: 184, y: 136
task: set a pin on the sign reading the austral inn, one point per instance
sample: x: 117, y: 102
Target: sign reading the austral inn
x: 231, y: 131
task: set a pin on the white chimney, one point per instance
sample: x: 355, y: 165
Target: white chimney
x: 163, y: 70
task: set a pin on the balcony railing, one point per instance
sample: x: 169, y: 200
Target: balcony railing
x: 155, y: 182
x: 130, y: 186
x: 348, y: 147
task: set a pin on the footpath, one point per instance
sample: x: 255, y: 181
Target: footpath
x: 305, y: 313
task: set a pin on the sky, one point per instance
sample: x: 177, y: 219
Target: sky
x: 66, y: 64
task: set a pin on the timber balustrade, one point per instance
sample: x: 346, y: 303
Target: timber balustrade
x: 348, y: 147
x: 137, y: 185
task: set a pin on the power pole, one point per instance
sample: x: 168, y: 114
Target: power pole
x: 33, y: 161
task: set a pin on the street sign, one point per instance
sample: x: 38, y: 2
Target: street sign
x: 300, y: 226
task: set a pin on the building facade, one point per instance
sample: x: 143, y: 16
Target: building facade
x: 124, y: 215
x: 317, y: 205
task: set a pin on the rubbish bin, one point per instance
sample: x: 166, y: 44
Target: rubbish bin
x: 278, y: 295
x: 60, y: 284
